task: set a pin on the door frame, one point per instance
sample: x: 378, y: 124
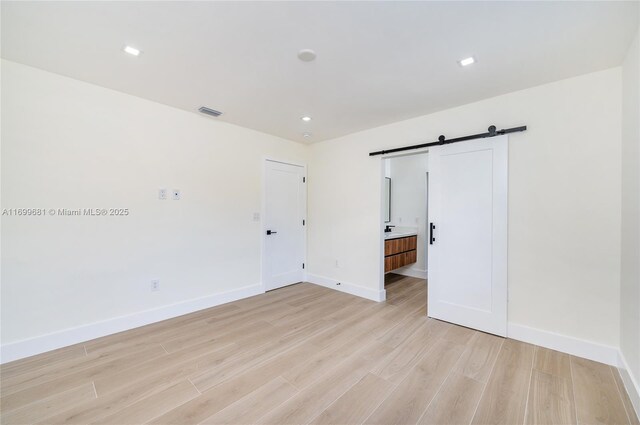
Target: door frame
x: 383, y: 293
x: 263, y: 209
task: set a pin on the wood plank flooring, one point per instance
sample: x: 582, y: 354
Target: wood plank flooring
x: 305, y: 354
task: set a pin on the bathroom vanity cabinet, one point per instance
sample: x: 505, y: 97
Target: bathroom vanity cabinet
x: 399, y: 252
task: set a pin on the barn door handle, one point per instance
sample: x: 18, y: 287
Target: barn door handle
x: 270, y: 232
x: 431, y: 238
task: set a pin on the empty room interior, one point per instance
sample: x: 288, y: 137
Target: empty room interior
x: 320, y: 212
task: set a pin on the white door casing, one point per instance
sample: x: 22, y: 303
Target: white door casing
x: 283, y: 226
x: 468, y: 204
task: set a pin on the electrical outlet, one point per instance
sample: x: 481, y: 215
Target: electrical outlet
x: 155, y: 285
x: 256, y: 216
x: 162, y: 194
x: 176, y: 194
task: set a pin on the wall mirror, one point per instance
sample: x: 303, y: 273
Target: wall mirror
x: 387, y: 199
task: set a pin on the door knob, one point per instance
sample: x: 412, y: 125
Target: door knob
x: 269, y: 232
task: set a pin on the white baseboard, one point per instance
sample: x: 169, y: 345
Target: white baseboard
x: 43, y: 343
x: 566, y: 344
x: 631, y: 384
x: 411, y: 272
x: 349, y: 288
x: 581, y: 348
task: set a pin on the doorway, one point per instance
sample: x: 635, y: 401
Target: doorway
x: 405, y: 241
x: 466, y: 233
x: 284, y: 224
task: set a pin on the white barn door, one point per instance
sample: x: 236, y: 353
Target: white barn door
x: 468, y: 234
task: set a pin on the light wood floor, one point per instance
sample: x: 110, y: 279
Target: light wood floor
x: 307, y: 354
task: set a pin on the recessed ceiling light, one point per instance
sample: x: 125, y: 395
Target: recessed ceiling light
x: 132, y: 50
x: 306, y: 55
x: 306, y: 118
x: 467, y: 61
x: 306, y: 135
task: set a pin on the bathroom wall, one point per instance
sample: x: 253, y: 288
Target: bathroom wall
x: 409, y: 204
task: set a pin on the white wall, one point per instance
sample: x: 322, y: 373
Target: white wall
x: 68, y: 144
x: 564, y: 202
x: 630, y: 271
x: 409, y: 204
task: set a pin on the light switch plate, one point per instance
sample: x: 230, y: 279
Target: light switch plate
x: 176, y: 194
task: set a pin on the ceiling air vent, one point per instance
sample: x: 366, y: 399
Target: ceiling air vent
x: 209, y: 111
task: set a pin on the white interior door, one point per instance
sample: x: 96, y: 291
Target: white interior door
x: 468, y: 252
x: 285, y: 201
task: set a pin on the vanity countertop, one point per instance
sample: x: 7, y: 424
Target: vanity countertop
x: 400, y: 234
